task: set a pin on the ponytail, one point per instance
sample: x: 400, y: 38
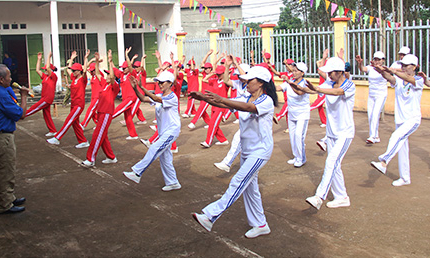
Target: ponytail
x: 270, y: 89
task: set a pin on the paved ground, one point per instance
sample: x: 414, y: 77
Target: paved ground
x: 73, y: 211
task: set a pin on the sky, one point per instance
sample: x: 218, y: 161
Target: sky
x: 261, y: 10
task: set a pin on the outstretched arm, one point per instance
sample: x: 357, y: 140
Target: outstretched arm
x: 97, y: 69
x: 70, y: 62
x: 39, y: 61
x: 360, y: 64
x: 111, y: 66
x: 386, y: 73
x: 84, y: 69
x: 218, y: 101
x: 332, y: 91
x: 127, y: 58
x: 206, y: 57
x: 426, y: 79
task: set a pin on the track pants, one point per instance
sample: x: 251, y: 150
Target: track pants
x: 155, y: 138
x: 126, y: 108
x: 399, y: 143
x: 91, y: 113
x: 7, y: 170
x: 284, y: 110
x: 160, y: 149
x: 374, y: 108
x: 297, y: 130
x: 100, y: 138
x: 46, y: 108
x: 245, y: 182
x: 214, y: 129
x: 73, y: 120
x: 235, y: 149
x: 319, y: 103
x: 333, y: 176
x: 191, y: 109
x: 201, y: 112
x: 136, y: 111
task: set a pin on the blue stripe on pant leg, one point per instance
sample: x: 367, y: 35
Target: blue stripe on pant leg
x: 162, y: 147
x: 239, y: 190
x: 385, y: 158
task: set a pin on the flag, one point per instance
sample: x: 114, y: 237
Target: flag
x: 222, y: 19
x: 218, y: 17
x: 210, y: 13
x: 201, y: 8
x: 353, y: 15
x: 327, y: 4
x: 346, y: 12
x: 317, y: 4
x: 371, y: 20
x: 195, y: 5
x: 312, y: 2
x: 333, y: 8
x: 206, y: 9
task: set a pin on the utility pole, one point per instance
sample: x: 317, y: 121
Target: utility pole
x: 382, y: 45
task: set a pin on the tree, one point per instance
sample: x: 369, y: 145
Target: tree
x: 287, y: 21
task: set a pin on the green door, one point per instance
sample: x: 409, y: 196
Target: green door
x: 92, y: 44
x: 112, y: 43
x: 151, y: 62
x: 34, y: 46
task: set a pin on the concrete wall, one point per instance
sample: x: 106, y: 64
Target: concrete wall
x: 196, y: 24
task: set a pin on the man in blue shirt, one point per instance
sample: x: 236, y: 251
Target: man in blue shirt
x: 10, y: 113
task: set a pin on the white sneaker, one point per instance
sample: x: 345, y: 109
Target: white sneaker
x: 286, y: 131
x: 168, y: 188
x: 222, y: 166
x: 132, y: 176
x: 191, y: 126
x: 236, y: 121
x: 86, y: 163
x: 323, y: 125
x: 291, y: 161
x: 109, y: 161
x: 322, y: 145
x: 315, y: 201
x: 192, y: 115
x: 275, y: 120
x: 153, y: 128
x: 204, y: 144
x: 377, y: 140
x: 94, y: 128
x: 50, y: 134
x: 175, y: 150
x: 222, y: 143
x: 341, y: 202
x: 206, y: 126
x: 370, y: 140
x: 147, y: 143
x: 204, y: 221
x: 185, y: 116
x: 141, y: 122
x: 122, y: 122
x: 132, y: 138
x: 400, y: 182
x: 223, y: 119
x: 53, y: 140
x: 298, y: 164
x: 258, y: 231
x: 379, y: 167
x: 82, y: 145
x: 154, y: 121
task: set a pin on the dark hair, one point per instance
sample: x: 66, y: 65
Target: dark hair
x: 270, y: 89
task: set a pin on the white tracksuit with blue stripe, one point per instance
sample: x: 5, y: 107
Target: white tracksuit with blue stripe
x: 257, y: 144
x: 340, y: 131
x: 169, y: 127
x: 407, y: 116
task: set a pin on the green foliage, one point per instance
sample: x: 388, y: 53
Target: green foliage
x: 254, y: 25
x: 287, y: 20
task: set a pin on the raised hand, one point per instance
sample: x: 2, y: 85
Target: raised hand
x: 359, y: 59
x: 422, y: 74
x: 74, y: 55
x: 127, y: 50
x: 157, y: 54
x: 110, y: 55
x: 133, y: 82
x: 87, y: 54
x: 39, y: 56
x: 325, y: 53
x: 310, y: 85
x: 96, y: 56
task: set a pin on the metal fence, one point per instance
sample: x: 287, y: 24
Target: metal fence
x: 197, y: 47
x: 241, y: 46
x: 365, y: 41
x: 305, y: 45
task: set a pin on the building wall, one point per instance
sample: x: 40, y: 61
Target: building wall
x: 197, y: 24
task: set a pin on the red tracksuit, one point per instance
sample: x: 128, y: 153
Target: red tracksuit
x: 128, y: 100
x: 193, y: 85
x: 284, y: 109
x: 96, y: 87
x: 77, y: 96
x: 319, y: 103
x: 201, y: 111
x: 233, y: 94
x: 105, y: 110
x: 218, y: 87
x: 136, y: 111
x: 48, y: 95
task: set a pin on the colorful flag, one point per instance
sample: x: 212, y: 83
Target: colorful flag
x: 327, y: 4
x: 333, y: 8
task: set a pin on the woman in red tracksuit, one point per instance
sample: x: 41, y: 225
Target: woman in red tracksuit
x: 216, y: 85
x: 77, y: 73
x: 105, y: 110
x: 97, y: 82
x: 49, y: 81
x: 193, y: 85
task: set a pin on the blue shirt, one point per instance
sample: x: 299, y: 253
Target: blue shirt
x: 10, y: 112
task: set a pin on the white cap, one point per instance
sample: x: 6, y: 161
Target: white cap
x: 333, y: 64
x: 245, y: 68
x: 164, y: 77
x: 301, y: 67
x: 379, y: 54
x: 257, y: 72
x: 409, y: 59
x: 404, y: 50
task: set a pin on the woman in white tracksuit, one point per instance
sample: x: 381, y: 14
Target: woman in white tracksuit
x: 169, y: 127
x: 255, y: 120
x: 298, y: 114
x: 377, y: 94
x: 407, y: 115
